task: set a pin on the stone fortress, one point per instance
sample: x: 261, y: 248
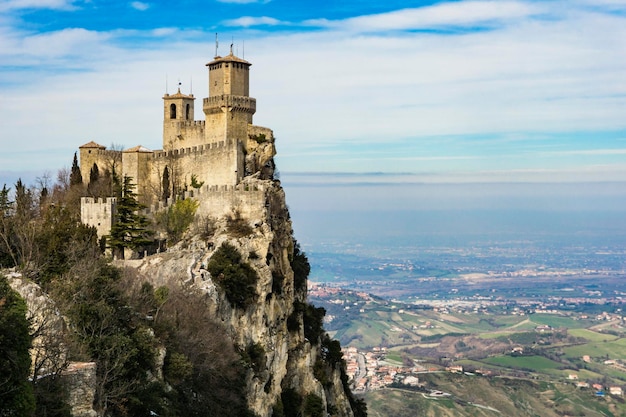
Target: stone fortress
x: 209, y: 159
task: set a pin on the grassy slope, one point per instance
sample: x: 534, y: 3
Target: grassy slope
x: 510, y: 397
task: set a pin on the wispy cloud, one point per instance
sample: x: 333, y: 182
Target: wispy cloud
x: 37, y: 4
x: 583, y: 152
x: 461, y: 14
x: 249, y: 21
x: 141, y: 6
x: 350, y: 89
x: 53, y: 49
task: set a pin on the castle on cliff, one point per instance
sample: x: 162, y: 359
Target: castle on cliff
x: 209, y: 159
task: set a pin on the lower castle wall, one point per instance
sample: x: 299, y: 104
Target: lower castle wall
x: 99, y: 213
x: 219, y: 201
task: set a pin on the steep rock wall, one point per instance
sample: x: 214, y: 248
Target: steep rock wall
x: 268, y: 248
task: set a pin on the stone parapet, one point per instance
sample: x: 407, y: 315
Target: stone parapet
x: 229, y: 102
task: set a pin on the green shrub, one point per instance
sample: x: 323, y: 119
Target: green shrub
x: 292, y: 403
x: 16, y: 393
x: 313, y: 406
x: 260, y: 138
x: 255, y: 356
x: 177, y: 218
x: 237, y: 226
x: 301, y: 268
x: 314, y: 323
x: 295, y: 318
x: 236, y: 278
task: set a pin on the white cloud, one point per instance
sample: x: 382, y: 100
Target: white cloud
x: 37, y: 4
x: 141, y: 6
x: 335, y: 92
x: 65, y: 49
x: 461, y: 14
x: 249, y: 21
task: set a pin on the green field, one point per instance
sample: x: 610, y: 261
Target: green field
x: 615, y: 349
x: 591, y: 335
x: 530, y: 363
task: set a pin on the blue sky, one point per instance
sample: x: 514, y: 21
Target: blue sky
x: 444, y: 91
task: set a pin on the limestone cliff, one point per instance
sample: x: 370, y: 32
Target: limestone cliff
x: 265, y: 241
x: 49, y: 353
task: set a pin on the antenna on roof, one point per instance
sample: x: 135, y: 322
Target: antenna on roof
x: 179, y: 84
x: 216, y: 44
x: 232, y: 42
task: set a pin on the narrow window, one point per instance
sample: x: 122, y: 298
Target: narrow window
x: 172, y: 111
x: 187, y: 110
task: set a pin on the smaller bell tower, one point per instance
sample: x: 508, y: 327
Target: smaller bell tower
x: 178, y: 111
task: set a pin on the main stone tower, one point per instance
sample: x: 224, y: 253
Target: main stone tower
x: 229, y: 108
x: 199, y: 157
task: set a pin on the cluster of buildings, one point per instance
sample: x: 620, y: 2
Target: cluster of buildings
x: 369, y: 371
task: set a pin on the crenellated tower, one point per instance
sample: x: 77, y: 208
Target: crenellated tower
x: 178, y: 120
x: 229, y: 108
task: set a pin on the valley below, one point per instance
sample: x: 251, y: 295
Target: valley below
x: 479, y: 336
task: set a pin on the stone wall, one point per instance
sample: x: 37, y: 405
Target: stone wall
x: 99, y: 213
x: 137, y: 164
x: 81, y: 383
x: 214, y: 164
x: 218, y: 201
x: 103, y: 158
x: 183, y: 134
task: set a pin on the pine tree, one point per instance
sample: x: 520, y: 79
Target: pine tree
x: 130, y: 229
x: 5, y: 203
x: 23, y: 201
x: 16, y: 393
x: 94, y: 176
x: 7, y: 252
x: 76, y: 178
x: 165, y: 184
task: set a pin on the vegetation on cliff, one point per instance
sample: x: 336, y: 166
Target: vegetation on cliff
x: 130, y: 229
x: 236, y: 278
x: 159, y: 349
x: 16, y: 394
x: 115, y: 320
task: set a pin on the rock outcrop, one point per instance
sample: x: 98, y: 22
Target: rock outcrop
x: 49, y: 353
x: 266, y: 243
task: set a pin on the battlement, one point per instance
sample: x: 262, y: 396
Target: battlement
x: 200, y: 149
x: 238, y: 103
x: 191, y: 123
x: 218, y: 201
x: 104, y: 201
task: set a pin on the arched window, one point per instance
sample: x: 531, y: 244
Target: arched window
x: 187, y: 111
x: 172, y: 111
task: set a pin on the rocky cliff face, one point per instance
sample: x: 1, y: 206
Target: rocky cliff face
x: 266, y: 243
x: 49, y: 353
